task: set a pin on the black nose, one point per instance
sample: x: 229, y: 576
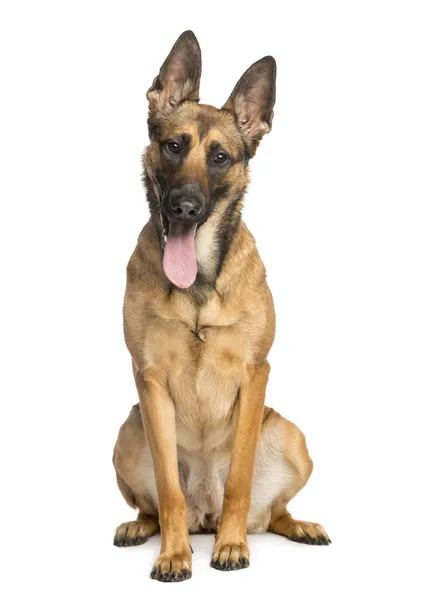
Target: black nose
x: 186, y: 203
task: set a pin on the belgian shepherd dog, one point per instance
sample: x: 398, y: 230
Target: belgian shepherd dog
x: 201, y: 451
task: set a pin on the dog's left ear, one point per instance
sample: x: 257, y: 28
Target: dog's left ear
x: 179, y: 76
x: 252, y: 101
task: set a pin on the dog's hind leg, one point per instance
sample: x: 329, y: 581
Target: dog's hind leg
x: 295, y: 455
x: 135, y: 479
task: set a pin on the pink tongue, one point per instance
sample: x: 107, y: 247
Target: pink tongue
x: 179, y: 260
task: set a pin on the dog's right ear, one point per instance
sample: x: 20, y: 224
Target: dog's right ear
x: 179, y: 76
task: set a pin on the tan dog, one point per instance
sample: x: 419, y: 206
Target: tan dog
x: 201, y: 452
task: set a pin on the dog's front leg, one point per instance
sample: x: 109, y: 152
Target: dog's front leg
x: 230, y: 548
x: 158, y: 415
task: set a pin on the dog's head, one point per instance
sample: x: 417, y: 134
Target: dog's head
x: 196, y: 164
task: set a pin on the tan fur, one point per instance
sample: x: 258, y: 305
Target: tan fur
x: 203, y: 452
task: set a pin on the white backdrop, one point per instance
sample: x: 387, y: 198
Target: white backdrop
x: 335, y: 206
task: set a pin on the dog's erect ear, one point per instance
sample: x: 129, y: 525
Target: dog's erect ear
x: 252, y: 101
x: 179, y: 76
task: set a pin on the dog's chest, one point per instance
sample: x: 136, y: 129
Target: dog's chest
x: 204, y: 365
x: 206, y: 388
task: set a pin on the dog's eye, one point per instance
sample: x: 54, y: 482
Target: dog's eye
x: 221, y: 158
x: 173, y: 147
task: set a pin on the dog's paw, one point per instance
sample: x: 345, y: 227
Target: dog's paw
x: 309, y: 533
x: 303, y: 532
x: 230, y: 557
x: 135, y: 533
x: 172, y: 567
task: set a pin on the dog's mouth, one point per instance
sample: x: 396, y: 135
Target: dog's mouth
x: 179, y: 260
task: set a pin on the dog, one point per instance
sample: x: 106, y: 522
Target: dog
x: 201, y: 452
